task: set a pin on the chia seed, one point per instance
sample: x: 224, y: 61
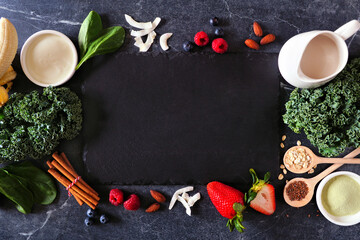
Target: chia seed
x: 297, y: 190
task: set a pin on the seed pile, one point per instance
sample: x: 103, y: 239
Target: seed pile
x: 297, y: 158
x: 297, y: 190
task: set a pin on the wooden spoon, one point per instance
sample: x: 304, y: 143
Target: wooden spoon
x: 311, y: 182
x: 313, y: 160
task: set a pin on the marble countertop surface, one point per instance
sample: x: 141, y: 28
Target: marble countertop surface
x: 64, y: 218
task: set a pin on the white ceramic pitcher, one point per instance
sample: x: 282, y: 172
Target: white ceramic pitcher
x: 292, y: 53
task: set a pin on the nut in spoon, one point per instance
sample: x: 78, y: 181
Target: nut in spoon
x: 301, y: 159
x: 311, y: 182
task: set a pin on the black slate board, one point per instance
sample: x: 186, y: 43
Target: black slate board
x: 189, y: 119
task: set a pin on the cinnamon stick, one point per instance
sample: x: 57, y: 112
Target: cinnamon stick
x: 66, y: 160
x: 72, y: 179
x: 79, y: 201
x: 71, y: 171
x: 82, y: 195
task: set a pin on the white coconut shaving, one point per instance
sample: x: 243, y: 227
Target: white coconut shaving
x: 163, y: 41
x: 140, y: 25
x: 187, y: 201
x: 146, y: 31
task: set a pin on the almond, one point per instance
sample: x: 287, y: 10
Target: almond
x: 157, y: 196
x: 257, y: 29
x: 153, y: 207
x: 267, y: 39
x: 252, y: 44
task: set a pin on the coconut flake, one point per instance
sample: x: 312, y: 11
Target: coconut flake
x: 163, y: 41
x: 177, y: 193
x: 144, y: 32
x: 141, y: 25
x: 185, y: 196
x: 144, y: 47
x: 185, y: 204
x: 193, y: 199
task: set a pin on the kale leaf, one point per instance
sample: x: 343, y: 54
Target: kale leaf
x: 329, y: 115
x: 32, y: 125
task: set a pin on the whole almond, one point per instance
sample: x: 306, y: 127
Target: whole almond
x: 252, y: 44
x: 157, y: 196
x: 257, y: 29
x: 153, y: 207
x: 267, y: 39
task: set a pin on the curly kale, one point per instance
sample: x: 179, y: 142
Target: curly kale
x: 32, y: 125
x: 329, y: 115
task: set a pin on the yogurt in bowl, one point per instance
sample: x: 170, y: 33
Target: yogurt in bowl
x: 338, y: 197
x: 48, y: 57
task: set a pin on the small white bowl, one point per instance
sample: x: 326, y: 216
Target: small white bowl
x: 24, y: 52
x: 342, y: 221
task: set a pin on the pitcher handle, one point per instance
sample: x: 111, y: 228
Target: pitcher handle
x: 348, y: 29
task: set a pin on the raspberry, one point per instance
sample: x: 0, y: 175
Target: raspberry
x: 133, y: 203
x: 219, y: 45
x: 116, y: 197
x: 201, y: 39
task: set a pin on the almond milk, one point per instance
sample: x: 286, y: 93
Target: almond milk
x: 320, y: 58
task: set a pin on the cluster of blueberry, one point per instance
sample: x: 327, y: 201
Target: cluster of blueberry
x: 92, y: 215
x: 201, y: 39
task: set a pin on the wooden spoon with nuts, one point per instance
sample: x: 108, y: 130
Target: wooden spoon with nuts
x: 311, y: 182
x: 301, y: 159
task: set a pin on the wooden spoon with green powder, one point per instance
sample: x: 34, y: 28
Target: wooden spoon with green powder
x: 311, y: 183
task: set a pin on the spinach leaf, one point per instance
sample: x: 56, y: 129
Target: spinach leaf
x: 90, y: 30
x: 36, y: 180
x: 111, y: 40
x: 14, y: 190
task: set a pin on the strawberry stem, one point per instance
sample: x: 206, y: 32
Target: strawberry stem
x: 256, y: 187
x: 236, y: 221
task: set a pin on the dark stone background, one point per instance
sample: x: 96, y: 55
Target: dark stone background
x: 64, y: 219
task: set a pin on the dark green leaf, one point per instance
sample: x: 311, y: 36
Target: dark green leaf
x: 38, y: 182
x: 239, y: 226
x: 254, y: 176
x: 110, y: 40
x: 267, y: 176
x: 90, y: 30
x: 14, y: 190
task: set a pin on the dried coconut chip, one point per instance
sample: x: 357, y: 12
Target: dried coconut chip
x: 146, y: 31
x: 163, y: 41
x: 144, y: 47
x: 193, y: 199
x: 141, y: 25
x: 177, y: 193
x: 185, y: 204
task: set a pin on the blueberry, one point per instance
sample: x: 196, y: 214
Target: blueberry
x: 188, y: 46
x: 89, y: 221
x: 219, y: 32
x: 104, y: 219
x: 214, y: 21
x: 91, y: 213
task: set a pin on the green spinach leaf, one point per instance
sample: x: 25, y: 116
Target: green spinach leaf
x: 90, y: 30
x: 15, y: 190
x: 111, y: 40
x: 36, y: 180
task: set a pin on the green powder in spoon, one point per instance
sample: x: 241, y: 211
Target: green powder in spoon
x: 341, y: 196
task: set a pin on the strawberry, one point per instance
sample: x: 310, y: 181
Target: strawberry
x: 261, y: 195
x: 229, y: 202
x: 132, y: 203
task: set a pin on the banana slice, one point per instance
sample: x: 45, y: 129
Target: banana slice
x: 4, y: 96
x: 8, y: 44
x: 9, y: 75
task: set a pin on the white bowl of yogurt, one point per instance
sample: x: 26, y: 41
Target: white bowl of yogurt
x: 338, y: 198
x: 48, y: 58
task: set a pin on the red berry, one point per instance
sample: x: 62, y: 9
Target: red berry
x: 116, y: 197
x: 219, y: 45
x: 201, y: 39
x: 133, y: 203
